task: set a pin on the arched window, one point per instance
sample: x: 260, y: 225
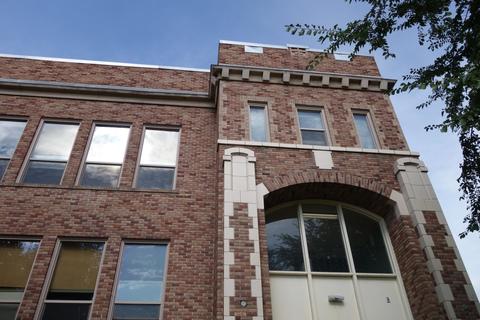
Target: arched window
x: 331, y: 261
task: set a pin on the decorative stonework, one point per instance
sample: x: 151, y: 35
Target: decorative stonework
x: 431, y: 226
x: 240, y: 197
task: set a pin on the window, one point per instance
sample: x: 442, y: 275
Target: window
x: 258, y: 123
x: 365, y: 130
x: 105, y: 156
x: 16, y: 260
x: 158, y: 159
x: 319, y: 250
x: 50, y: 153
x: 71, y: 288
x: 312, y: 127
x: 140, y: 283
x: 10, y: 132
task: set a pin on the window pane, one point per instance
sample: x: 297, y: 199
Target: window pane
x: 16, y: 260
x: 314, y: 137
x: 366, y: 241
x: 44, y: 172
x: 76, y: 271
x: 136, y: 311
x: 8, y: 311
x: 3, y: 167
x: 310, y: 119
x: 155, y: 178
x: 10, y: 132
x: 159, y: 148
x: 100, y: 175
x: 258, y: 124
x: 325, y: 245
x: 62, y: 311
x: 364, y: 131
x: 55, y: 141
x: 318, y: 208
x: 108, y: 144
x: 283, y: 239
x: 141, y: 273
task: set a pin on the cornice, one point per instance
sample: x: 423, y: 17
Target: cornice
x: 300, y: 77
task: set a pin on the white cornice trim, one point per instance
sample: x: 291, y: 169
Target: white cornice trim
x: 313, y: 147
x: 106, y: 63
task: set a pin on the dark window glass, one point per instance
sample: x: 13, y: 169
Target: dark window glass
x: 44, y: 172
x: 364, y: 131
x: 8, y: 311
x: 136, y: 311
x: 258, y: 124
x: 314, y: 137
x: 366, y: 242
x: 76, y: 271
x: 284, y: 242
x: 66, y: 311
x: 3, y: 167
x: 325, y: 245
x: 155, y: 178
x: 100, y: 175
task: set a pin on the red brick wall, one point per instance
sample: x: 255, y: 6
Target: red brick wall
x: 28, y: 69
x: 295, y: 59
x: 185, y: 217
x: 282, y: 99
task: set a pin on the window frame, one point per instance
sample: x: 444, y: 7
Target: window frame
x: 49, y: 277
x: 264, y: 105
x: 23, y: 170
x: 324, y: 122
x: 14, y: 119
x: 371, y: 127
x: 140, y: 151
x: 84, y: 161
x: 117, y: 276
x: 39, y: 240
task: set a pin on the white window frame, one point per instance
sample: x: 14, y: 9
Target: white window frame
x: 27, y: 160
x: 140, y: 151
x: 323, y: 118
x: 87, y: 149
x: 352, y: 274
x: 14, y: 119
x: 29, y: 274
x: 117, y: 276
x: 263, y: 105
x: 48, y: 279
x: 371, y: 127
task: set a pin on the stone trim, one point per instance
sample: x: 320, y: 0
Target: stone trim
x: 300, y: 77
x: 240, y: 188
x: 313, y: 147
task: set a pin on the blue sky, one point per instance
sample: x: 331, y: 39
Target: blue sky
x: 186, y: 33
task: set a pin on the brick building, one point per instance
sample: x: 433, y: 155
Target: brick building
x: 253, y: 190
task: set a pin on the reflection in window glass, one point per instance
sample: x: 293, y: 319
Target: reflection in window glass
x: 258, y: 123
x: 312, y: 128
x: 51, y: 152
x: 105, y: 156
x: 74, y: 279
x: 325, y: 245
x: 364, y: 131
x: 158, y: 159
x: 284, y: 242
x: 140, y: 282
x: 10, y: 133
x: 16, y: 260
x: 366, y: 241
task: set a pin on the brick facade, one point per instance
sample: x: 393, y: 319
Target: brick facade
x: 214, y: 219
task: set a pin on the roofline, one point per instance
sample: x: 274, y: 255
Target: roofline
x: 287, y: 46
x: 107, y: 63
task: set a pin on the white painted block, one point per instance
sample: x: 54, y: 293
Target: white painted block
x: 226, y: 221
x: 434, y: 265
x: 227, y: 182
x: 252, y: 210
x: 252, y: 183
x: 253, y: 234
x: 228, y: 258
x: 444, y: 293
x: 239, y: 183
x: 256, y: 288
x: 228, y: 208
x: 426, y: 241
x: 228, y: 234
x: 260, y: 306
x: 459, y: 265
x: 437, y: 276
x: 448, y: 306
x: 239, y: 169
x: 239, y: 159
x: 261, y: 192
x: 227, y: 168
x: 229, y: 287
x: 226, y: 271
x: 254, y: 259
x: 323, y: 159
x: 226, y: 245
x: 226, y: 306
x: 251, y: 169
x: 256, y: 246
x: 255, y: 223
x: 258, y: 273
x: 248, y: 197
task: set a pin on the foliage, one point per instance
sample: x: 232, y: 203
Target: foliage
x: 451, y: 29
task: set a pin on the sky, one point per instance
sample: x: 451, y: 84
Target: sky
x: 186, y: 33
